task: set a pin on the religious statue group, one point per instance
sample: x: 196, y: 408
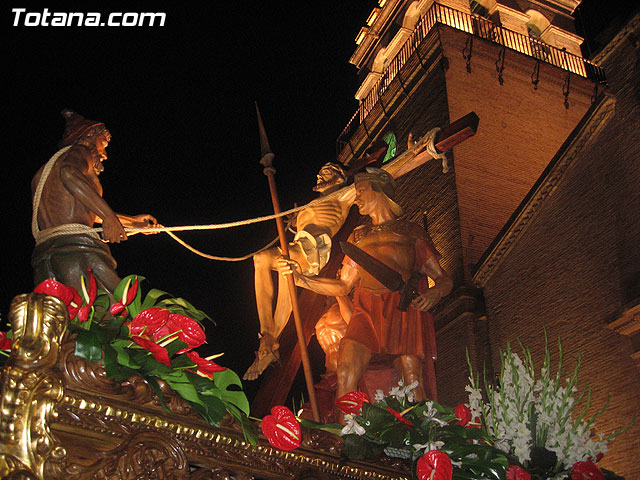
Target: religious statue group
x: 370, y: 319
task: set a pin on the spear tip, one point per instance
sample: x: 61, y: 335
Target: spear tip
x: 265, y: 149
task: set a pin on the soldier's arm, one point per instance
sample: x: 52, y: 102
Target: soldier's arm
x: 73, y: 177
x: 443, y: 285
x: 334, y: 287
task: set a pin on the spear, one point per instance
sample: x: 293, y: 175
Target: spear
x: 269, y: 171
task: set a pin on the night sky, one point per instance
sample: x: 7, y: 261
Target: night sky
x: 179, y: 102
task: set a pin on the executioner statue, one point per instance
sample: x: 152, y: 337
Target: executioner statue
x: 311, y: 247
x: 67, y: 203
x: 387, y: 250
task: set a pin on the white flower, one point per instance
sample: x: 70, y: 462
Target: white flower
x: 379, y: 396
x: 429, y: 446
x: 352, y: 426
x: 431, y: 413
x: 402, y: 391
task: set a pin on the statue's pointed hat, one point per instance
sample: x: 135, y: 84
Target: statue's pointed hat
x: 75, y: 127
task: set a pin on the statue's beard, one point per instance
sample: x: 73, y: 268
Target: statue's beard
x: 322, y: 186
x: 98, y: 168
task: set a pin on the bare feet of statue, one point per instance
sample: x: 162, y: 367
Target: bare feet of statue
x: 265, y: 356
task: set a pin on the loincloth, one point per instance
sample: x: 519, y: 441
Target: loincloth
x: 316, y: 250
x: 67, y: 257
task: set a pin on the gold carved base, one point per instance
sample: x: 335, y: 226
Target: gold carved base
x: 63, y: 419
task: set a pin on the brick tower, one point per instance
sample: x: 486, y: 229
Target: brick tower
x: 534, y: 220
x: 517, y: 64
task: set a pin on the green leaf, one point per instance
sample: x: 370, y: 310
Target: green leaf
x: 215, y: 408
x: 249, y: 429
x: 178, y: 381
x: 359, y: 448
x: 89, y: 345
x: 228, y: 378
x: 158, y: 391
x: 334, y: 428
x: 123, y: 357
x: 182, y: 361
x: 173, y: 347
x: 152, y: 298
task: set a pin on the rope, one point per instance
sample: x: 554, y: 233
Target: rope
x: 75, y: 228
x: 429, y: 139
x: 222, y: 259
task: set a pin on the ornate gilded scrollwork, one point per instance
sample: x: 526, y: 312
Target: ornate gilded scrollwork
x: 31, y: 387
x: 147, y: 455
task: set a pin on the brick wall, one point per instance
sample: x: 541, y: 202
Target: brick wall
x: 520, y: 130
x: 573, y: 270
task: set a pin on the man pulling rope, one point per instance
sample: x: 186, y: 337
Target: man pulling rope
x: 67, y: 202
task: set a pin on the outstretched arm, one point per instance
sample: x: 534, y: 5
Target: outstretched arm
x: 334, y: 287
x: 138, y: 221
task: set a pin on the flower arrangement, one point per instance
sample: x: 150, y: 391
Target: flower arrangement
x: 153, y: 337
x: 441, y: 442
x: 532, y: 420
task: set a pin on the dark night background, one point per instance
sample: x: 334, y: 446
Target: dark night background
x: 179, y: 102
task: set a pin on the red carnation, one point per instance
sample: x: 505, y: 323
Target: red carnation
x: 206, y: 367
x: 189, y: 331
x: 158, y: 352
x: 149, y: 321
x: 352, y: 402
x: 517, y: 473
x: 434, y: 465
x: 462, y: 413
x: 399, y: 416
x: 282, y: 429
x: 586, y: 471
x: 68, y: 295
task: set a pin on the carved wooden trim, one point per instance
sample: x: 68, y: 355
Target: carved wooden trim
x: 145, y: 455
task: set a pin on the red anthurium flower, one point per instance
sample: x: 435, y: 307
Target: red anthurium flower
x: 158, y: 352
x: 399, y: 416
x: 462, y: 412
x: 517, y: 473
x: 434, y: 465
x: 5, y: 343
x: 586, y: 471
x: 68, y: 295
x: 149, y: 321
x: 206, y: 368
x: 282, y: 429
x: 89, y: 294
x: 129, y: 293
x: 352, y: 402
x: 189, y: 331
